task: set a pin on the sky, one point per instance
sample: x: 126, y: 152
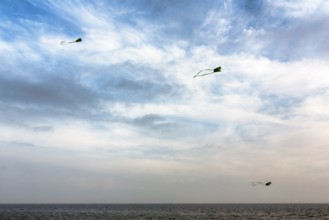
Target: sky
x: 119, y: 118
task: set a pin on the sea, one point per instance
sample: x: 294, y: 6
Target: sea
x: 162, y: 211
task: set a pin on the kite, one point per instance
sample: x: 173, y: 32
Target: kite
x: 216, y: 70
x: 261, y: 183
x: 70, y: 42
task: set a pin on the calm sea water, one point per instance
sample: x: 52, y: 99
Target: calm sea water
x: 163, y: 211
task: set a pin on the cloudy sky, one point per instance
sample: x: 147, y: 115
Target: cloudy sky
x: 119, y: 118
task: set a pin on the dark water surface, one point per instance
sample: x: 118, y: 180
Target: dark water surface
x: 163, y: 211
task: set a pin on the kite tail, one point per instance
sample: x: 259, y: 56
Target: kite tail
x: 257, y: 183
x: 198, y: 74
x: 65, y: 42
x: 206, y: 74
x: 71, y: 42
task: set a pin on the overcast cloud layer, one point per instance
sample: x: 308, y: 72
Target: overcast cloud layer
x: 119, y: 118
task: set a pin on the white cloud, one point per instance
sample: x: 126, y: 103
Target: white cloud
x: 315, y: 108
x: 300, y: 8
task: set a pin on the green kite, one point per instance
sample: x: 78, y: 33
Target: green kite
x: 70, y: 42
x: 206, y: 71
x: 261, y: 183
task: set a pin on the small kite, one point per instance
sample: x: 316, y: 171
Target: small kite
x: 261, y: 183
x: 208, y: 71
x: 70, y: 42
